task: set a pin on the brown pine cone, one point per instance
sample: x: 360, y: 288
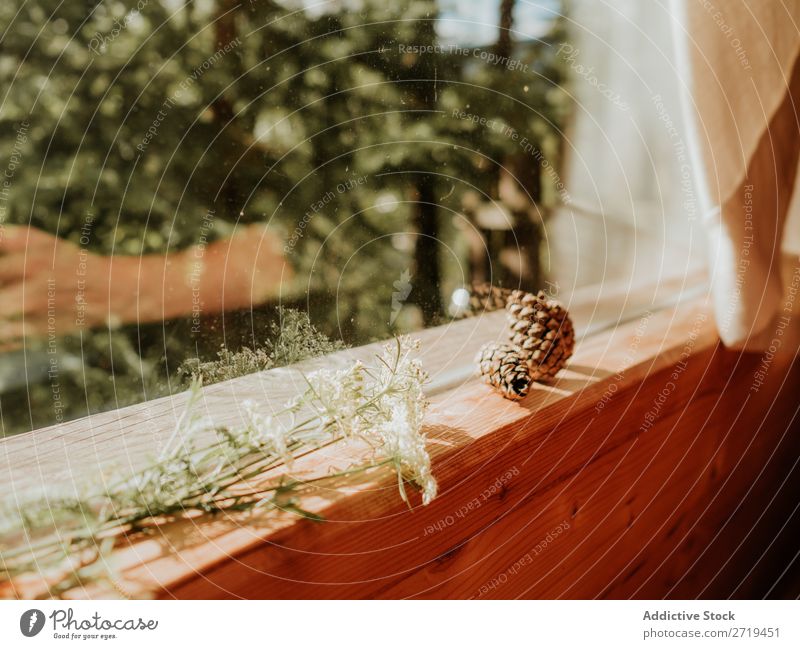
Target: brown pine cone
x: 484, y: 298
x: 543, y: 331
x: 503, y: 367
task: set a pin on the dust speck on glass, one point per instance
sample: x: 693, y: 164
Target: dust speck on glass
x: 314, y: 174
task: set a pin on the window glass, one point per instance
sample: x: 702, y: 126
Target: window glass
x: 249, y: 182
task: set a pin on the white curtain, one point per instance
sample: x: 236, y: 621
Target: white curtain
x: 684, y: 137
x: 736, y: 61
x: 632, y: 212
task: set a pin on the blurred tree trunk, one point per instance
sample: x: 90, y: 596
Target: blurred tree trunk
x: 426, y: 292
x: 503, y: 46
x: 515, y: 254
x: 225, y: 32
x: 427, y: 279
x: 521, y: 254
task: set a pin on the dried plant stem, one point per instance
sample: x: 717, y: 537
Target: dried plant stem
x: 382, y: 406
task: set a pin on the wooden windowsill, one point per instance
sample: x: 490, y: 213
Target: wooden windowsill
x: 592, y: 455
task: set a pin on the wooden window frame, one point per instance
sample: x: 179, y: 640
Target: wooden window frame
x: 617, y: 480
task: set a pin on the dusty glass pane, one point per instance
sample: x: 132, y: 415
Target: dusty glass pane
x: 176, y: 174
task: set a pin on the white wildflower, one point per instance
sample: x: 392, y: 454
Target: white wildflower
x: 337, y: 396
x: 404, y: 442
x: 383, y: 406
x: 403, y: 406
x: 264, y: 433
x: 294, y: 404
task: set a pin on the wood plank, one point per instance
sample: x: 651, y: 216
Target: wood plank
x: 579, y: 452
x: 125, y: 439
x: 460, y: 421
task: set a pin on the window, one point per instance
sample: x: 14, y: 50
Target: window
x: 202, y: 180
x: 211, y: 189
x: 158, y: 138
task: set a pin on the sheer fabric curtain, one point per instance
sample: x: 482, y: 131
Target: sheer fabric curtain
x: 632, y: 215
x: 684, y: 149
x: 738, y: 62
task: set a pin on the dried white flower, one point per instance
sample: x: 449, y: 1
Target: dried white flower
x: 265, y: 434
x: 405, y: 445
x: 383, y: 406
x: 336, y: 395
x: 386, y: 412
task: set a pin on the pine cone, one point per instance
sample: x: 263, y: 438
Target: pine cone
x: 503, y: 367
x: 543, y: 331
x: 484, y: 298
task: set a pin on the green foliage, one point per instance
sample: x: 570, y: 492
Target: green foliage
x: 294, y: 339
x: 309, y: 121
x: 228, y: 365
